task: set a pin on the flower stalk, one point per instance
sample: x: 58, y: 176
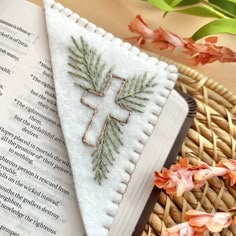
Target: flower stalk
x: 200, y: 52
x: 198, y: 222
x: 183, y: 177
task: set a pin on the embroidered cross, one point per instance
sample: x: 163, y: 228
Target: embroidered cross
x: 110, y: 99
x: 105, y: 106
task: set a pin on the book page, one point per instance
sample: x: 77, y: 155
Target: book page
x: 37, y: 195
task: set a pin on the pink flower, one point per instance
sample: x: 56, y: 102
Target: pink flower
x: 166, y: 40
x: 202, y: 175
x: 161, y: 39
x: 183, y: 229
x: 201, y: 53
x: 137, y: 25
x: 230, y: 166
x: 182, y: 177
x: 179, y: 178
x: 201, y: 221
x: 208, y: 52
x: 176, y: 180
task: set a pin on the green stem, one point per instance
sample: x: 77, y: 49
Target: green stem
x: 220, y: 10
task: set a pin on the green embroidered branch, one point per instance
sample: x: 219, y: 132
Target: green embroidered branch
x: 136, y: 90
x: 88, y: 68
x: 104, y: 154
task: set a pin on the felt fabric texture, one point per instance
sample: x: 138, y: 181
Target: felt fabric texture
x: 99, y: 203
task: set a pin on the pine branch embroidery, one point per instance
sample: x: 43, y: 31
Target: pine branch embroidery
x: 135, y: 93
x: 88, y: 68
x: 107, y: 148
x: 91, y: 73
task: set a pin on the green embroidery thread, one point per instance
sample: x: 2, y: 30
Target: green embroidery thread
x: 103, y: 155
x: 89, y: 70
x: 91, y: 73
x: 135, y: 91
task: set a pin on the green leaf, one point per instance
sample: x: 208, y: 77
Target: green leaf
x: 216, y: 27
x: 201, y: 11
x: 233, y: 1
x: 188, y: 3
x: 173, y: 3
x: 227, y: 5
x: 161, y: 4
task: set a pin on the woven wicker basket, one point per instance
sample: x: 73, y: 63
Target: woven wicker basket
x: 211, y: 137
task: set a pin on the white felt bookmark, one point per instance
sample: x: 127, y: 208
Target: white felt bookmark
x: 109, y: 97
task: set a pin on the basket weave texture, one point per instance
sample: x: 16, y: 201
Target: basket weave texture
x: 211, y: 138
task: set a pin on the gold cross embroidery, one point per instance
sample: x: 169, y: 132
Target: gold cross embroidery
x: 102, y: 105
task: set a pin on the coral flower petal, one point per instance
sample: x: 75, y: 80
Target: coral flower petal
x: 179, y: 230
x: 200, y: 221
x: 219, y: 221
x: 230, y: 166
x: 138, y: 25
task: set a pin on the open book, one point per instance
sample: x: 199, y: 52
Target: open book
x: 37, y: 195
